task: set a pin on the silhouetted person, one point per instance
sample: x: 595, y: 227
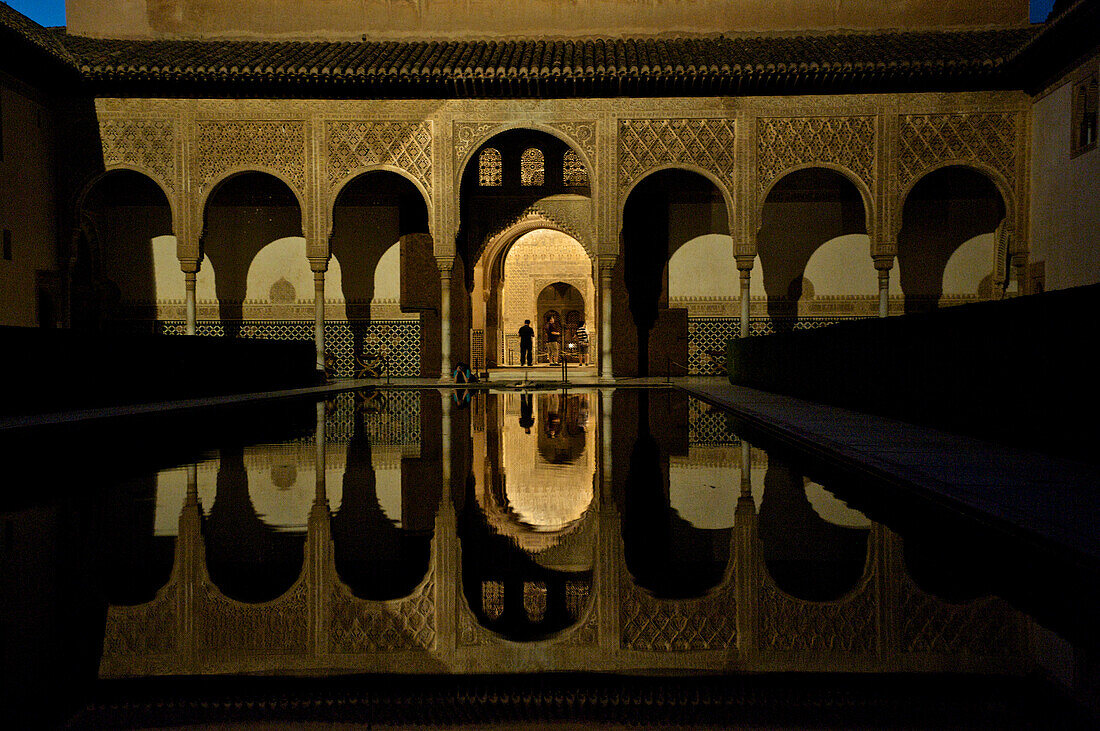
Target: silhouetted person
x: 526, y: 418
x: 526, y: 338
x: 553, y: 339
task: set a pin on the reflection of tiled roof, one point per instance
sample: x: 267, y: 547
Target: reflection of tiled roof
x: 722, y: 65
x: 14, y: 23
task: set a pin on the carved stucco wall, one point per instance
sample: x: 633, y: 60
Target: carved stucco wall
x: 886, y: 142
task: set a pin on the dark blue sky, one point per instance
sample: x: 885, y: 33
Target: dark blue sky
x: 52, y: 12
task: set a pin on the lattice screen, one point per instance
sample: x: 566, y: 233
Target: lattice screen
x: 397, y: 340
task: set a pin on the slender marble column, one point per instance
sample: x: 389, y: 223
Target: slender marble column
x: 744, y: 268
x: 190, y: 269
x: 189, y: 302
x: 607, y: 268
x: 446, y: 266
x: 319, y: 318
x: 883, y: 264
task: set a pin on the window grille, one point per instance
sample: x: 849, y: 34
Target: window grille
x: 489, y: 169
x: 532, y: 167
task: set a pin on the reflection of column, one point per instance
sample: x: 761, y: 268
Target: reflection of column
x: 744, y: 268
x: 605, y: 583
x: 189, y: 569
x: 889, y: 568
x: 446, y: 266
x: 746, y: 552
x: 607, y: 268
x: 319, y: 543
x: 319, y: 312
x: 448, y: 585
x: 190, y: 274
x: 883, y: 264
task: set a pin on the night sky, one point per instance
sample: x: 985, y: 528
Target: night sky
x: 52, y: 12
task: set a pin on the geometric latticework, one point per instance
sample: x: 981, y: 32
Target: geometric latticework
x: 532, y: 167
x: 676, y: 625
x: 708, y: 336
x: 708, y: 425
x: 648, y: 143
x: 224, y: 624
x: 398, y: 341
x: 707, y: 339
x: 981, y: 628
x: 357, y: 626
x: 229, y: 145
x: 926, y: 139
x: 145, y: 144
x: 489, y: 167
x: 573, y: 171
x: 393, y: 420
x: 783, y: 143
x: 404, y: 145
x: 788, y: 624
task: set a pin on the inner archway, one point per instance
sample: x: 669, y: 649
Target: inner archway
x: 543, y: 271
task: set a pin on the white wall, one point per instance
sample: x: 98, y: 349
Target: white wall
x: 1065, y: 213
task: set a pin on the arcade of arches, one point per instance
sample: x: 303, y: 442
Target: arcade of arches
x: 666, y: 226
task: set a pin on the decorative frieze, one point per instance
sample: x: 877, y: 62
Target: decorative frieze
x: 226, y: 145
x: 145, y: 144
x: 354, y: 145
x: 926, y: 140
x: 645, y: 144
x: 784, y: 143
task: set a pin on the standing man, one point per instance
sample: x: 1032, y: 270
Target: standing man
x: 553, y: 339
x: 582, y: 343
x: 526, y: 336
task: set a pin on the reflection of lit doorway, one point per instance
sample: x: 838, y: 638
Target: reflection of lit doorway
x: 565, y: 305
x: 543, y: 270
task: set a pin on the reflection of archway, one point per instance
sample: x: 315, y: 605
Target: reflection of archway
x: 541, y: 270
x: 528, y: 528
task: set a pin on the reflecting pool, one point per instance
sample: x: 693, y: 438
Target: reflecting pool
x: 414, y: 532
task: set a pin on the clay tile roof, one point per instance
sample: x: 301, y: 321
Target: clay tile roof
x: 726, y: 65
x: 44, y: 40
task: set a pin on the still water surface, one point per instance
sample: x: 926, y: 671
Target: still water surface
x: 416, y: 533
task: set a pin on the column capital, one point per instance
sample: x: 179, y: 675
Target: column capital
x: 883, y: 262
x: 190, y: 266
x: 606, y: 265
x: 445, y: 264
x: 318, y: 265
x: 745, y: 262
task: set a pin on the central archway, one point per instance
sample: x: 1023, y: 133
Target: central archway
x: 540, y: 272
x: 516, y: 182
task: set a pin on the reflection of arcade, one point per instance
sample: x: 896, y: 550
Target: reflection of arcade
x: 374, y: 557
x: 528, y: 533
x: 248, y: 559
x: 664, y: 552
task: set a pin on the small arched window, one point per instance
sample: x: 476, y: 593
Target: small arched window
x: 573, y: 170
x: 489, y: 169
x: 532, y: 167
